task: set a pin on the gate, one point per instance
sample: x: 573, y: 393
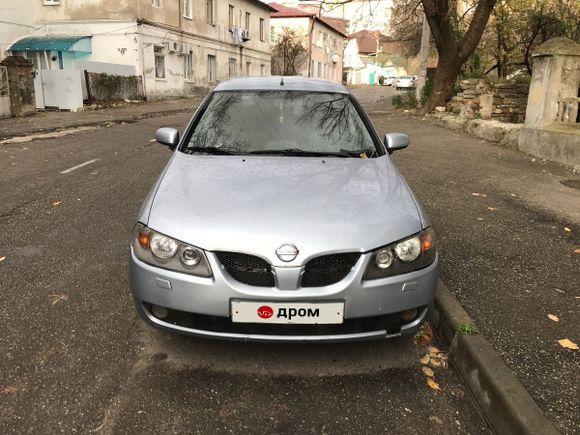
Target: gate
x: 60, y: 89
x: 5, y: 108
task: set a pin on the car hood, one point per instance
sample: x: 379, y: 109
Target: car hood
x: 254, y: 204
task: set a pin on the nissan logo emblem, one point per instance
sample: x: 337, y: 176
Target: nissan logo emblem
x: 287, y: 252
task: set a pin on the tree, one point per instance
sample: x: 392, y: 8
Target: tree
x: 455, y: 38
x: 289, y: 53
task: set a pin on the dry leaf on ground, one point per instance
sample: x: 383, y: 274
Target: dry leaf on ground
x: 435, y: 362
x: 434, y: 385
x: 577, y: 251
x: 479, y: 194
x: 425, y: 359
x: 479, y: 219
x: 55, y: 299
x: 568, y: 230
x: 55, y: 203
x: 436, y: 419
x: 492, y: 208
x: 424, y: 335
x: 428, y: 371
x: 568, y: 344
x: 2, y: 259
x: 8, y: 389
x: 553, y: 317
x: 433, y: 349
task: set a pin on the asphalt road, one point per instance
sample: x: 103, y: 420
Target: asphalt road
x: 74, y: 357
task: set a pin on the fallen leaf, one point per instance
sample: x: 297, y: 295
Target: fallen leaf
x: 425, y: 359
x: 479, y: 219
x: 568, y: 344
x: 434, y: 385
x: 512, y: 194
x: 428, y: 371
x: 492, y: 208
x: 553, y: 317
x: 433, y: 349
x: 8, y: 390
x: 479, y: 194
x: 568, y: 230
x: 59, y: 298
x: 56, y: 203
x: 577, y: 251
x: 436, y: 419
x: 2, y: 259
x: 435, y: 362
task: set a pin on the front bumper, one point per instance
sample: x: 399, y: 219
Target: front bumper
x: 193, y: 298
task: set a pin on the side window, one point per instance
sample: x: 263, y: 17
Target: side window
x: 159, y: 53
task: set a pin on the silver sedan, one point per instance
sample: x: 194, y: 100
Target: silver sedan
x: 281, y: 217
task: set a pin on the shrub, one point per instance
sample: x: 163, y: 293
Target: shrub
x: 426, y: 91
x: 397, y: 101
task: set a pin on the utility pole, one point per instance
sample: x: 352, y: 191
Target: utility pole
x: 425, y: 35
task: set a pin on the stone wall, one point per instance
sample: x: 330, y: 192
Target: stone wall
x: 20, y: 85
x: 478, y: 98
x: 106, y: 87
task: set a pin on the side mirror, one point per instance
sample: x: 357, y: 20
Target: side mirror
x: 396, y: 141
x: 167, y: 136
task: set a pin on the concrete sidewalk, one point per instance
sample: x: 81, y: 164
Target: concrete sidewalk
x: 123, y: 112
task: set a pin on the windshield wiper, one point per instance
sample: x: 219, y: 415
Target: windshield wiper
x: 210, y: 150
x: 299, y: 153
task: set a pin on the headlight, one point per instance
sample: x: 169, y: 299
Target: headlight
x: 162, y: 251
x: 408, y: 255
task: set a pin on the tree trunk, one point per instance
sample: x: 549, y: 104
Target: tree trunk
x: 443, y: 83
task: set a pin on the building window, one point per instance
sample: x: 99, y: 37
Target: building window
x: 187, y: 8
x: 248, y: 21
x: 232, y: 67
x: 319, y: 70
x: 52, y: 2
x: 211, y: 68
x: 159, y: 52
x: 248, y: 68
x: 272, y: 34
x: 210, y: 12
x: 188, y: 66
x: 262, y: 70
x: 231, y: 17
x: 312, y: 73
x: 262, y: 30
x: 156, y: 3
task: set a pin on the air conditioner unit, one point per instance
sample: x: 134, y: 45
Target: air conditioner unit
x: 184, y: 49
x: 172, y: 47
x: 246, y: 35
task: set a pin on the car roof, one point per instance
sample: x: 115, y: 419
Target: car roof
x: 273, y: 83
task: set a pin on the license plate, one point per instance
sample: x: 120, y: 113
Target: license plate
x: 295, y: 313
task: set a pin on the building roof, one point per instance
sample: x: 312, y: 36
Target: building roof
x: 289, y: 12
x: 273, y: 83
x: 367, y: 40
x: 263, y: 5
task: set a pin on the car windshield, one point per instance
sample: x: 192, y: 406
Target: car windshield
x: 290, y: 123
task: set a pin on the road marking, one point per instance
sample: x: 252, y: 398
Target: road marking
x: 66, y: 171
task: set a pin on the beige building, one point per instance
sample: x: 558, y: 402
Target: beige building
x: 178, y: 47
x: 322, y: 37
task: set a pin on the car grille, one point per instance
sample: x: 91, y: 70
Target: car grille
x: 247, y: 269
x: 328, y: 269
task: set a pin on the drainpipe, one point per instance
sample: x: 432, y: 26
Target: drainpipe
x: 141, y: 56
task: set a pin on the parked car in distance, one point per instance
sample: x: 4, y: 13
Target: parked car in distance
x: 389, y: 80
x: 405, y: 82
x: 280, y: 216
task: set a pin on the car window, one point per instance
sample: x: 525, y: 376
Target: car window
x: 242, y: 122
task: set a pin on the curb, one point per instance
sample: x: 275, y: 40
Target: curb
x: 506, y: 404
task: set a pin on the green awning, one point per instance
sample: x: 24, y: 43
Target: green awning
x: 53, y: 43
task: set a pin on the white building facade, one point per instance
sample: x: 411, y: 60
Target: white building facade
x: 177, y: 47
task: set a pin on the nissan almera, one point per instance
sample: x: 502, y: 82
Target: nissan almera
x: 281, y: 217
